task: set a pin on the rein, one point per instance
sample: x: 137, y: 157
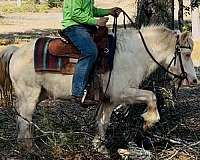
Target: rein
x: 177, y: 52
x: 114, y: 31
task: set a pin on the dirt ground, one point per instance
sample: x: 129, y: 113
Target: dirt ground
x: 21, y: 27
x: 65, y: 131
x: 62, y: 133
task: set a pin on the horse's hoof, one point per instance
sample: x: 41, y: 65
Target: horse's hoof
x: 102, y: 149
x: 97, y: 143
x: 150, y: 119
x: 147, y: 125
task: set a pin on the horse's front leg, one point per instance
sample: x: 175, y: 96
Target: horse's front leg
x: 25, y: 108
x: 103, y: 119
x: 133, y: 95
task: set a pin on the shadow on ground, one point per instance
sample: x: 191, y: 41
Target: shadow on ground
x: 66, y: 130
x: 17, y: 37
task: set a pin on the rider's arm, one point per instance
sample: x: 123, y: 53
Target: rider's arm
x: 80, y: 16
x: 99, y: 12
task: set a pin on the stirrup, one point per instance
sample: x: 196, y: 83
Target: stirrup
x: 84, y: 96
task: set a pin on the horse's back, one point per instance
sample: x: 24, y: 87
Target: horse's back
x: 22, y: 61
x: 23, y: 74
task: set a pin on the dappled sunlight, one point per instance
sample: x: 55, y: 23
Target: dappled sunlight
x: 196, y: 53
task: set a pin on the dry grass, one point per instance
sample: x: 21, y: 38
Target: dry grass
x: 28, y: 6
x: 177, y: 153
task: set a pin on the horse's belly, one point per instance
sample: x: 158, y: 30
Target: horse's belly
x: 57, y: 85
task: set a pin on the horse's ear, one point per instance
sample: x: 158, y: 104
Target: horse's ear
x: 184, y: 36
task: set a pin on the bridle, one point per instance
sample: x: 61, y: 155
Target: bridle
x: 177, y: 54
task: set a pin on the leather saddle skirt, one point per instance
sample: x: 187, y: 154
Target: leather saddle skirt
x: 63, y: 47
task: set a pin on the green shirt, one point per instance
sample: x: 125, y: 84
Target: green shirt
x: 81, y: 12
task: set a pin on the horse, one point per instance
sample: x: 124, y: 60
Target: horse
x: 131, y: 65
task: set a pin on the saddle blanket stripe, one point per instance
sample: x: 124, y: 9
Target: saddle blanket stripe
x: 43, y: 60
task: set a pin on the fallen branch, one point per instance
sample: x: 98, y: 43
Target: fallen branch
x: 181, y: 142
x: 173, y: 155
x: 194, y: 144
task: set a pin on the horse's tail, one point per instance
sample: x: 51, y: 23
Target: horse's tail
x: 5, y: 81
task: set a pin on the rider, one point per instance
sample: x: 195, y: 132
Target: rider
x: 78, y: 20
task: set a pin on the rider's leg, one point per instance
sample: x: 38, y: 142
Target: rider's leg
x: 81, y: 38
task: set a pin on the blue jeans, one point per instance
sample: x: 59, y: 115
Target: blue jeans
x: 82, y: 39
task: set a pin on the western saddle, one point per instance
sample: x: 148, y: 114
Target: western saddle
x: 63, y: 47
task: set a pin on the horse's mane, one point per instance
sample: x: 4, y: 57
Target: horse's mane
x: 164, y: 36
x: 159, y: 39
x: 161, y: 33
x: 156, y: 36
x: 160, y: 28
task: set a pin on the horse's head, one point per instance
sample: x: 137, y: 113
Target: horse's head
x: 183, y: 61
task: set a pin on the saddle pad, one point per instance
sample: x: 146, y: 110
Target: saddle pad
x: 46, y: 62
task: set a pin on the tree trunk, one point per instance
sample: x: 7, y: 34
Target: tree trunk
x: 180, y: 15
x: 19, y: 3
x: 172, y: 10
x: 155, y: 12
x: 195, y: 23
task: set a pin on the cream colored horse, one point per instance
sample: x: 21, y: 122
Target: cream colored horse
x: 132, y: 64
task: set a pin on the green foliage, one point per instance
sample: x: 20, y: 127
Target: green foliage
x: 187, y: 26
x: 154, y: 12
x: 28, y: 6
x: 55, y: 3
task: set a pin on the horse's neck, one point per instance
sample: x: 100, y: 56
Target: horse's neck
x: 131, y: 51
x: 161, y: 43
x: 160, y: 40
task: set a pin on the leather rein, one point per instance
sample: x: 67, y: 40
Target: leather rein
x: 177, y: 53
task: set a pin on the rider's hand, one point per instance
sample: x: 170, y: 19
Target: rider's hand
x: 102, y: 21
x: 115, y: 11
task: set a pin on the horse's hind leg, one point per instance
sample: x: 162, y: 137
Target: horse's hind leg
x: 27, y: 100
x: 103, y: 119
